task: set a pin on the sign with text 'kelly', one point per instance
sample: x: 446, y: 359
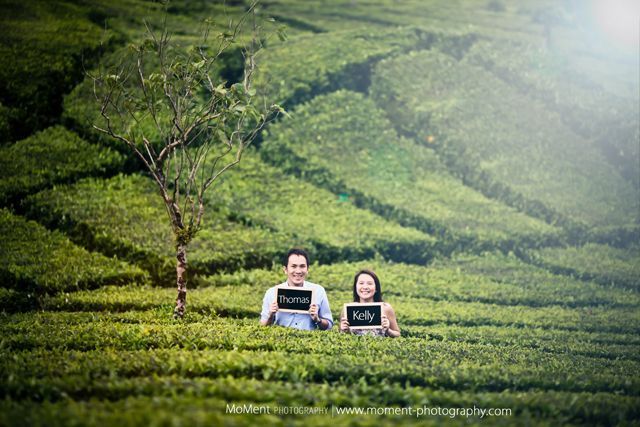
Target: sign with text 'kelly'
x: 294, y: 299
x: 364, y: 316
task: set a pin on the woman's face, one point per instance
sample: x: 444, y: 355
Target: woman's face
x: 365, y: 288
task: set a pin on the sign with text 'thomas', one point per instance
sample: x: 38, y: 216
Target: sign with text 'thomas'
x: 294, y: 299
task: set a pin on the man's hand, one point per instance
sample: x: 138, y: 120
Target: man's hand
x: 273, y: 308
x: 313, y: 312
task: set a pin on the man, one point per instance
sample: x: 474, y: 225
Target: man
x: 296, y: 267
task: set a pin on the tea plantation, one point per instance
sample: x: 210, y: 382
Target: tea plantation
x: 482, y: 157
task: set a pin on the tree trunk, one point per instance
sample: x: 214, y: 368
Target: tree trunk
x: 181, y: 269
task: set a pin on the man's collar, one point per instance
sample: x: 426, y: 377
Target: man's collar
x: 296, y: 286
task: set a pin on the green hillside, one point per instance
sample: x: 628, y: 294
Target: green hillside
x: 607, y: 119
x: 481, y: 157
x: 504, y: 143
x: 37, y: 261
x: 342, y: 141
x: 52, y: 156
x: 123, y: 216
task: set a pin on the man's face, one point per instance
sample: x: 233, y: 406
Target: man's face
x: 296, y: 270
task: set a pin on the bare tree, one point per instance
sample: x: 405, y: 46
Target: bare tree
x: 185, y: 125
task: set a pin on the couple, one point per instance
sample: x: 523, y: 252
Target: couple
x: 366, y: 289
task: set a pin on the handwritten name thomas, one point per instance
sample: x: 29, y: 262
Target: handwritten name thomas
x: 283, y: 299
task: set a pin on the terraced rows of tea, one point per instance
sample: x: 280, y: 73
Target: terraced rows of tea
x: 482, y: 158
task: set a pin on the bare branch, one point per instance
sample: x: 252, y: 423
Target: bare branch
x: 199, y: 139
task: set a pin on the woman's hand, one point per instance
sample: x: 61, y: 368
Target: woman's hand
x: 385, y: 323
x: 344, y: 325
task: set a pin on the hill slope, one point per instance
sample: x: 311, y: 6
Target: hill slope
x: 481, y: 157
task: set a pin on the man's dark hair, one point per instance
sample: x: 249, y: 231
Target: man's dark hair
x: 295, y: 251
x: 377, y: 297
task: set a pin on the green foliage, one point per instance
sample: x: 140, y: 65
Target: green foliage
x: 382, y: 15
x: 216, y: 351
x: 306, y: 65
x: 43, y: 47
x: 504, y: 143
x: 52, y: 156
x: 334, y: 229
x: 12, y: 300
x: 555, y: 341
x: 199, y: 401
x: 201, y: 69
x: 600, y: 345
x: 609, y: 120
x: 35, y: 260
x: 343, y: 142
x: 82, y: 105
x: 82, y: 112
x: 48, y: 45
x: 154, y: 329
x: 540, y: 284
x: 5, y: 123
x: 601, y: 263
x: 246, y: 301
x: 124, y: 216
x: 489, y: 279
x: 134, y: 357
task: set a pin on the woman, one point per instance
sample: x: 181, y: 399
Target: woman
x: 366, y: 289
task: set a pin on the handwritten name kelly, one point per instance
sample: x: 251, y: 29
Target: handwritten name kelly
x: 363, y: 315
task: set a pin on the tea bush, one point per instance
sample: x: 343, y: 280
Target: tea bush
x: 36, y: 260
x: 52, y: 156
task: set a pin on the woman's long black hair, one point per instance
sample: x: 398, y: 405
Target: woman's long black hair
x: 377, y: 297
